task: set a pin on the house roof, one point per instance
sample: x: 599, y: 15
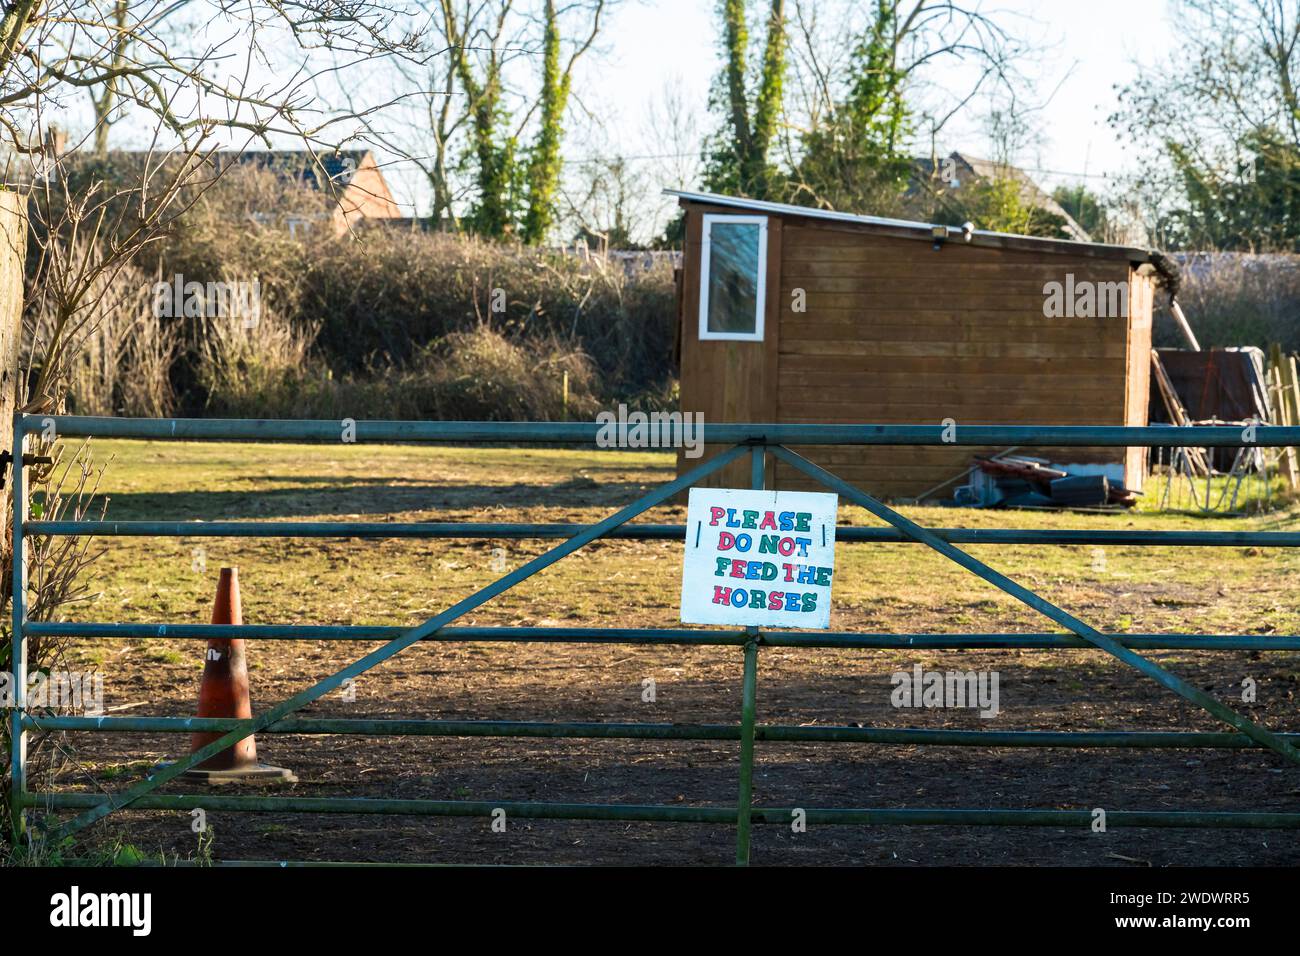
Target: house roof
x: 303, y: 165
x: 989, y: 170
x: 907, y: 229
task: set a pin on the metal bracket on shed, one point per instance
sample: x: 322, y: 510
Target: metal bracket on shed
x: 6, y: 459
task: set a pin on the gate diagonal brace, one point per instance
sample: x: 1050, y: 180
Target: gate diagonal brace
x: 1108, y: 644
x: 401, y: 643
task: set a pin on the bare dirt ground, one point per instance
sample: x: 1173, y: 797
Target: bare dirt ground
x: 616, y: 583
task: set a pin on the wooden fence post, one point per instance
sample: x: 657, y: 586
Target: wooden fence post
x: 13, y: 252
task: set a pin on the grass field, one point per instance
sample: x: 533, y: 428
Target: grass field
x: 889, y: 588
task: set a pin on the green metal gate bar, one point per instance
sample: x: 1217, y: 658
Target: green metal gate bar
x: 714, y: 435
x: 651, y: 635
x: 758, y: 441
x: 905, y: 736
x: 670, y: 814
x: 653, y: 532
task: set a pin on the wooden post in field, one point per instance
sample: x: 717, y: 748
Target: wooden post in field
x: 1289, y: 393
x: 1285, y: 409
x: 13, y: 250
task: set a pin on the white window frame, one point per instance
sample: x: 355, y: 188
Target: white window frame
x: 760, y: 302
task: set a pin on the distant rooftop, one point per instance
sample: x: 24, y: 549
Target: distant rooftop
x: 301, y: 164
x: 966, y: 167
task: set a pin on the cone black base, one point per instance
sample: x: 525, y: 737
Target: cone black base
x: 259, y: 773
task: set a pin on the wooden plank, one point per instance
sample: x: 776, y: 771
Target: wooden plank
x: 886, y: 456
x: 1290, y: 393
x: 978, y: 350
x: 1042, y: 333
x: 1285, y: 412
x: 957, y: 298
x: 901, y: 413
x: 1290, y: 401
x: 774, y: 306
x: 939, y: 380
x: 872, y: 393
x: 790, y: 479
x: 940, y: 314
x: 919, y: 407
x: 874, y: 282
x: 1168, y: 394
x: 13, y: 252
x: 1294, y: 381
x: 947, y: 313
x: 870, y: 364
x: 799, y: 271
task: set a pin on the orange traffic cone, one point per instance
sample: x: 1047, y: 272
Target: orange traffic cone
x: 224, y: 693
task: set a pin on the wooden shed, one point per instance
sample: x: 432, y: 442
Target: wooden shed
x: 789, y: 314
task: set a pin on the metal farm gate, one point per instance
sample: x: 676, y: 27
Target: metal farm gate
x: 736, y: 440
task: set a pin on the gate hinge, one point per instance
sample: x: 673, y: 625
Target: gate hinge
x: 6, y: 459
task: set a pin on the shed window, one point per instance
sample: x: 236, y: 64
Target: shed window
x: 733, y: 277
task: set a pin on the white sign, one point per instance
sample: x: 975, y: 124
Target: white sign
x: 759, y: 558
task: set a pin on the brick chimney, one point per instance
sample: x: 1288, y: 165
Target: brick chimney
x: 56, y: 141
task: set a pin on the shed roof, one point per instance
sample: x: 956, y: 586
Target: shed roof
x: 905, y: 229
